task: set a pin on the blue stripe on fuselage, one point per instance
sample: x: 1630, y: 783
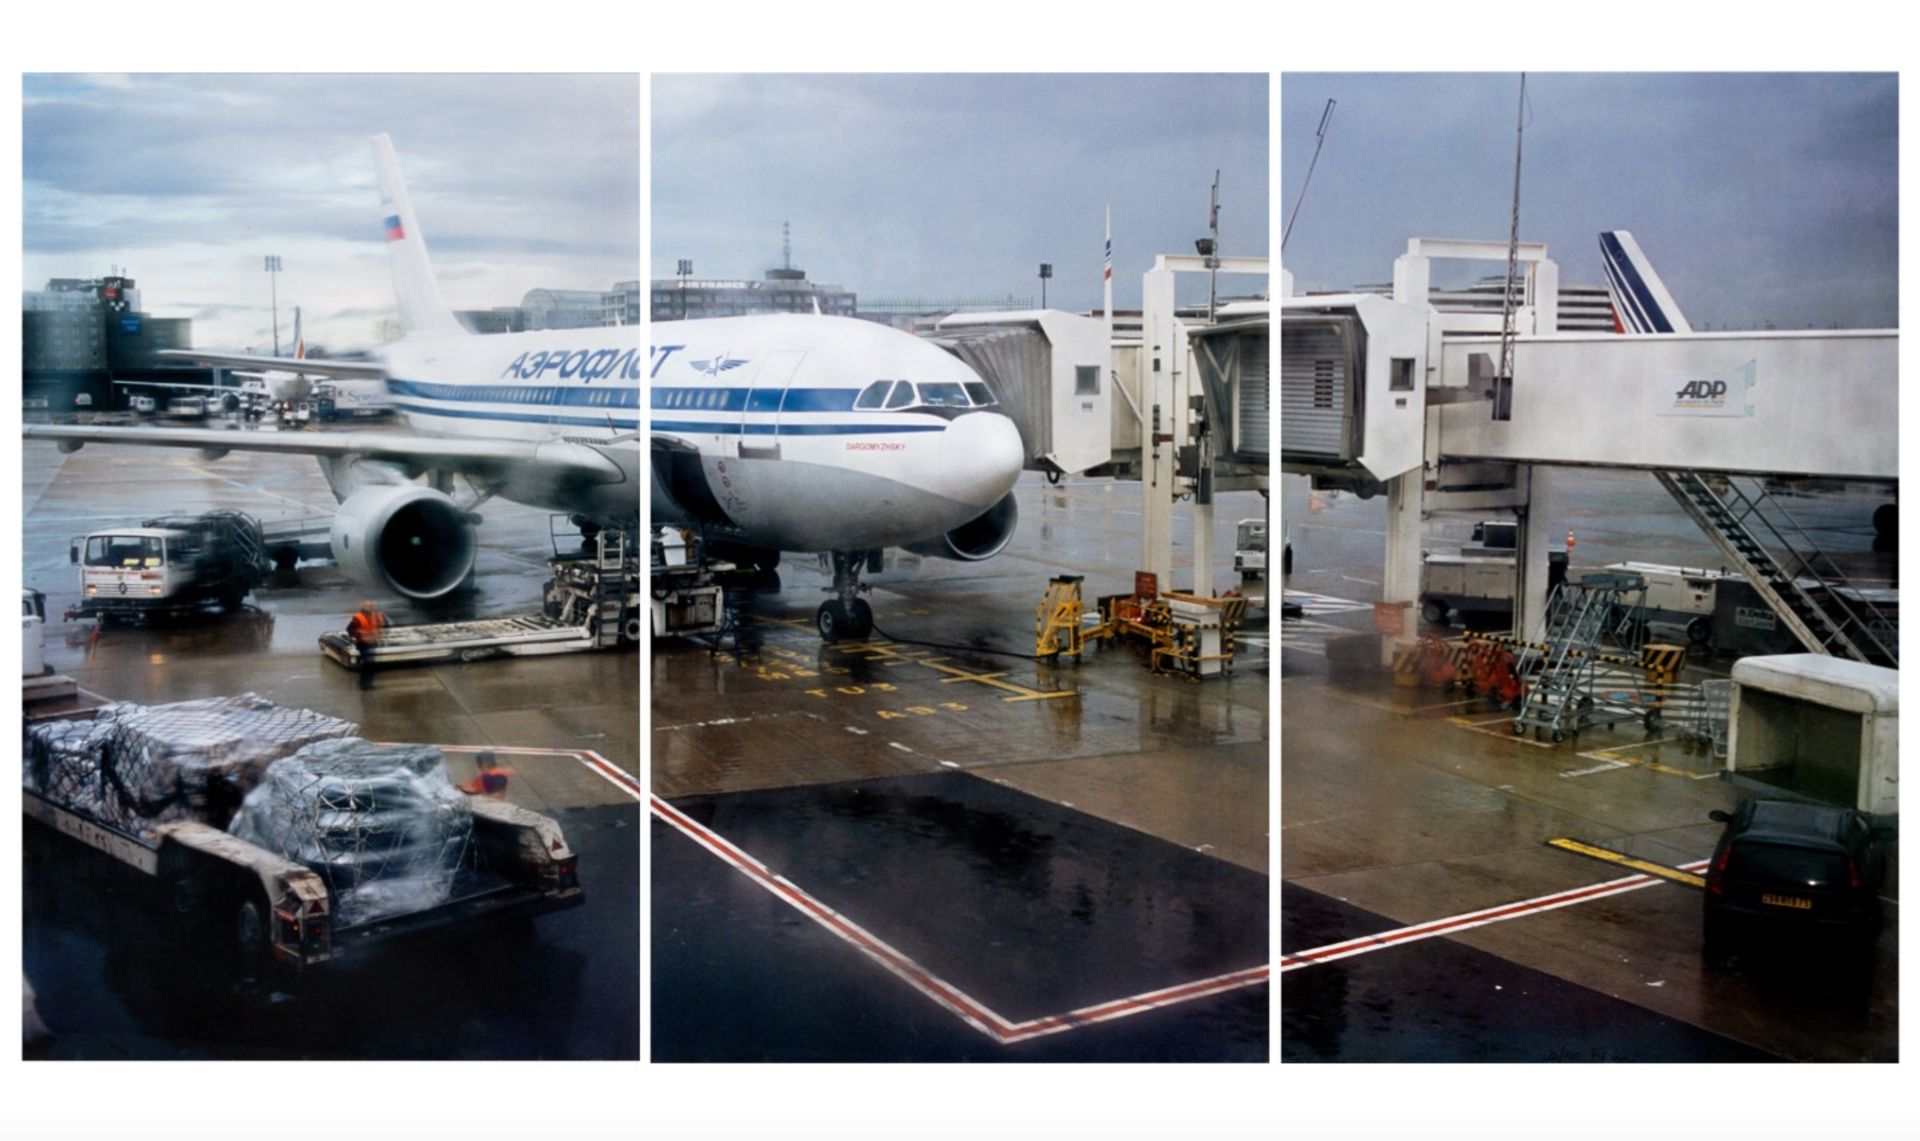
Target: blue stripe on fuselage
x: 736, y: 428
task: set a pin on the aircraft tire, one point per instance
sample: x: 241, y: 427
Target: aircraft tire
x: 832, y: 621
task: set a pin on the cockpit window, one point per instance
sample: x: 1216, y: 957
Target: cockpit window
x: 943, y: 394
x: 902, y: 394
x: 979, y: 393
x: 873, y: 395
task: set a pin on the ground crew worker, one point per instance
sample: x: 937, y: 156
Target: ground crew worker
x: 364, y: 629
x: 491, y: 779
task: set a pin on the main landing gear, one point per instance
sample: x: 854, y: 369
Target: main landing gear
x: 846, y: 618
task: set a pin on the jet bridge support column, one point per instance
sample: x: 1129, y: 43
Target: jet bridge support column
x: 1406, y: 497
x: 1159, y: 357
x: 1536, y: 543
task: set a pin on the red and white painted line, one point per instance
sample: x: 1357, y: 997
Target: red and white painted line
x: 603, y: 768
x: 969, y: 1009
x: 1367, y: 944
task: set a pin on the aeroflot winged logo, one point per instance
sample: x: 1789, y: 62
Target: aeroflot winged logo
x: 718, y: 365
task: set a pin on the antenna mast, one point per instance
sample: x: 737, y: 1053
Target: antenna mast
x: 1321, y: 137
x: 1503, y: 383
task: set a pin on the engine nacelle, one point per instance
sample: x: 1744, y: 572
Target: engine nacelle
x: 982, y: 537
x: 406, y: 538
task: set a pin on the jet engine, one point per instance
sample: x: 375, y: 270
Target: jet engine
x: 406, y: 538
x: 979, y: 538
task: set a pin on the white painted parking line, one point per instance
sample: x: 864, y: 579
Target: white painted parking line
x: 969, y: 1009
x: 1366, y: 944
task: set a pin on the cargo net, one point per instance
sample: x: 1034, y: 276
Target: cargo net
x: 138, y: 766
x: 382, y: 824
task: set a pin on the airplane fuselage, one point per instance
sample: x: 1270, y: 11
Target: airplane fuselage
x: 810, y: 433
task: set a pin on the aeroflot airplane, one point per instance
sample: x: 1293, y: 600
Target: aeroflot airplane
x: 799, y: 433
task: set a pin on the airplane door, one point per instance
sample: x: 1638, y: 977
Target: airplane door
x: 761, y: 413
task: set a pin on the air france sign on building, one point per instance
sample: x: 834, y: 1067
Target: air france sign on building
x: 1707, y: 394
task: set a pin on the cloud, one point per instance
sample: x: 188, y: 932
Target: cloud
x: 189, y: 180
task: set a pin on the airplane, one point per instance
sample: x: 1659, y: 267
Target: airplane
x: 1641, y: 303
x: 798, y: 432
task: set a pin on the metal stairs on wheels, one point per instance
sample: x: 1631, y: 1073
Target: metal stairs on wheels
x: 1747, y: 528
x: 1582, y: 654
x: 614, y: 587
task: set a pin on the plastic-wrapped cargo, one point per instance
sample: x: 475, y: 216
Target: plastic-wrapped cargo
x: 137, y: 766
x: 383, y: 824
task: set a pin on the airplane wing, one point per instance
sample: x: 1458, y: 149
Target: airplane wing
x: 172, y: 385
x: 305, y: 366
x: 556, y: 461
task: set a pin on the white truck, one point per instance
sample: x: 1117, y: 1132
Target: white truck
x: 274, y: 833
x: 182, y: 563
x: 1250, y: 548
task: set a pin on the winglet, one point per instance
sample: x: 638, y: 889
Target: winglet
x: 1641, y: 303
x: 422, y: 308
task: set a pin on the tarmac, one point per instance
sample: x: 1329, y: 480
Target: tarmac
x: 1425, y: 916
x: 928, y: 846
x: 567, y: 988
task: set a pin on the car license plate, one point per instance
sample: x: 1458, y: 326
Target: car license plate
x: 1800, y: 902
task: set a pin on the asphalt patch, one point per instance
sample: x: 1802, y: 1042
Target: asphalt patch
x: 1030, y: 907
x: 1442, y: 1001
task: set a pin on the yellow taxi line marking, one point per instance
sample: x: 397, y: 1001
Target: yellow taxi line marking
x: 1021, y: 692
x: 1619, y: 755
x: 1621, y: 859
x: 1505, y: 732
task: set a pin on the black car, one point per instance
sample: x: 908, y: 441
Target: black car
x: 1785, y: 866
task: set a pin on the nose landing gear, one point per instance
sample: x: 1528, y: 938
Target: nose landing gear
x: 846, y: 618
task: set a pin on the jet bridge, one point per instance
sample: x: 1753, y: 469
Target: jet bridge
x: 1396, y: 393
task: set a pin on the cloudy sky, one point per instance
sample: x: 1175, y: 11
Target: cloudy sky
x: 955, y: 185
x: 1759, y: 198
x: 188, y: 181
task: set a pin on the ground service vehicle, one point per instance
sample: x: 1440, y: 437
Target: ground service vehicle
x: 1783, y: 866
x: 275, y: 834
x: 176, y: 564
x: 33, y: 633
x: 1250, y: 548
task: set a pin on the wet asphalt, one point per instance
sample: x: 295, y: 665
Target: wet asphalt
x: 1028, y: 907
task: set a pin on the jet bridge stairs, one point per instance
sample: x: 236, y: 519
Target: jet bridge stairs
x: 1802, y: 584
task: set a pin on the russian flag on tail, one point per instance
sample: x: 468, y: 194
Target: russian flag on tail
x: 395, y: 231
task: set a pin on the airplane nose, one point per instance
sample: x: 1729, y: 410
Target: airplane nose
x: 980, y: 457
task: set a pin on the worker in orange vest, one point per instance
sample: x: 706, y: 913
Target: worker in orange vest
x: 365, y: 629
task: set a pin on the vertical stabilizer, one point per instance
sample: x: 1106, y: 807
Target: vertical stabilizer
x: 422, y: 309
x: 299, y: 341
x: 1641, y: 303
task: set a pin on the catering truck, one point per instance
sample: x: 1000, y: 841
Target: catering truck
x: 182, y: 563
x: 278, y: 834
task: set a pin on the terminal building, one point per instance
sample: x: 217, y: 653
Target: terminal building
x: 77, y: 335
x: 782, y: 290
x: 560, y: 309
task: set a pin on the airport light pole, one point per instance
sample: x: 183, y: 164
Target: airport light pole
x: 273, y: 279
x: 685, y: 271
x: 1046, y: 271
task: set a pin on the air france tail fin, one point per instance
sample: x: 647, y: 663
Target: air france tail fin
x: 422, y: 308
x: 1641, y: 303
